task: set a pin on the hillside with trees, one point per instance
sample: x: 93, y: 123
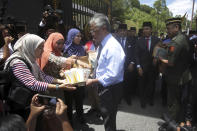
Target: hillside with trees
x: 134, y: 14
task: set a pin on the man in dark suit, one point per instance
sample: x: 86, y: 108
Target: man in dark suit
x: 130, y: 76
x: 132, y: 32
x: 121, y: 35
x: 145, y: 67
x: 128, y: 45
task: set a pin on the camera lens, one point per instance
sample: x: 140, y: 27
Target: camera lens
x: 53, y: 101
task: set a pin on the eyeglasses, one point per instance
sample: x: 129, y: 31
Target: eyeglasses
x: 94, y: 30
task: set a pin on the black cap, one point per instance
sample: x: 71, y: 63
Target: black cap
x: 122, y: 26
x: 173, y: 21
x: 148, y: 23
x: 133, y: 28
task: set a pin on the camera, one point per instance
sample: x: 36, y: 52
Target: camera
x: 47, y: 100
x: 49, y: 15
x: 171, y: 125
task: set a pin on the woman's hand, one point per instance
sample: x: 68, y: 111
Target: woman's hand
x: 68, y: 87
x: 83, y: 64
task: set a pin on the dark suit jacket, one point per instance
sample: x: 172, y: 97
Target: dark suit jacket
x: 144, y: 57
x: 128, y: 49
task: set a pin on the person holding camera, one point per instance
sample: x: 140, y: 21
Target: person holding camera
x: 51, y: 22
x: 27, y: 77
x: 37, y: 108
x: 15, y: 122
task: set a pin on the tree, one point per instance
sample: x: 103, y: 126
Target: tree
x: 146, y: 8
x: 158, y: 5
x: 119, y: 9
x: 134, y: 3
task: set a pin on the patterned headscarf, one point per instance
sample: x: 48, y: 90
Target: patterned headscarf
x: 25, y: 48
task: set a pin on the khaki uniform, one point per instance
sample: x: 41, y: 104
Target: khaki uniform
x: 178, y: 74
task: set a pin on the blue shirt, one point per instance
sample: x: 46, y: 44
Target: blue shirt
x: 110, y: 67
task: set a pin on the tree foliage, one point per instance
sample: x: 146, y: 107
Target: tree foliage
x: 135, y: 14
x: 134, y: 3
x: 146, y: 8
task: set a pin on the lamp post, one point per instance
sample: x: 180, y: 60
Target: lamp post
x: 192, y: 14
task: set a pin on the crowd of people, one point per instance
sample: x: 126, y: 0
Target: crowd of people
x: 127, y: 65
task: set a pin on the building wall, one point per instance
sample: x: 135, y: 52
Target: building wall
x: 29, y: 10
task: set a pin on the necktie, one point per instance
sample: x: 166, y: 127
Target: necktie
x: 147, y: 43
x: 97, y: 58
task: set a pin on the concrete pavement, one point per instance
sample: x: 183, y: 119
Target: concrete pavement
x: 129, y: 118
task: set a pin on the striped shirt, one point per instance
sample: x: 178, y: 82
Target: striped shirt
x: 23, y: 74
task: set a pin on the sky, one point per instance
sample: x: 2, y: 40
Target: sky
x: 177, y: 7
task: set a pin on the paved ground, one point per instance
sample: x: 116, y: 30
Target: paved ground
x: 129, y: 118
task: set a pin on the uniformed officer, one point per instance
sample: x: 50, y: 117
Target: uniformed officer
x: 177, y: 71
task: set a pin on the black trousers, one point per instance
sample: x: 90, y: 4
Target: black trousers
x: 164, y: 90
x: 130, y: 84
x: 78, y: 97
x: 147, y: 86
x: 109, y: 99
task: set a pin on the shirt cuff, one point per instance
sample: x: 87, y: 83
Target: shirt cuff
x: 132, y: 62
x: 60, y: 22
x: 41, y: 24
x: 102, y: 82
x: 138, y: 66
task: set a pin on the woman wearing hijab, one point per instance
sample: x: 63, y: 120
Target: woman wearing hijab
x: 73, y: 47
x: 27, y: 75
x: 51, y: 61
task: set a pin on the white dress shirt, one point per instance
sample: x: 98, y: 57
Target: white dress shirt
x: 110, y: 67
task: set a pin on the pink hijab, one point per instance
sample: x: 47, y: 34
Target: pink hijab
x: 49, y: 48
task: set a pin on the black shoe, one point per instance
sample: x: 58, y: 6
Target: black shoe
x: 91, y: 111
x: 163, y: 126
x: 164, y: 103
x: 151, y: 103
x: 128, y: 101
x: 143, y: 105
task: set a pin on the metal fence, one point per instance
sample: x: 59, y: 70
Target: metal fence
x: 81, y: 10
x: 84, y: 9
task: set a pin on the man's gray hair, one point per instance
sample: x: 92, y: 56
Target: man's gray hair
x: 100, y: 20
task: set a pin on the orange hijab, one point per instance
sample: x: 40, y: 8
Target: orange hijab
x: 49, y: 48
